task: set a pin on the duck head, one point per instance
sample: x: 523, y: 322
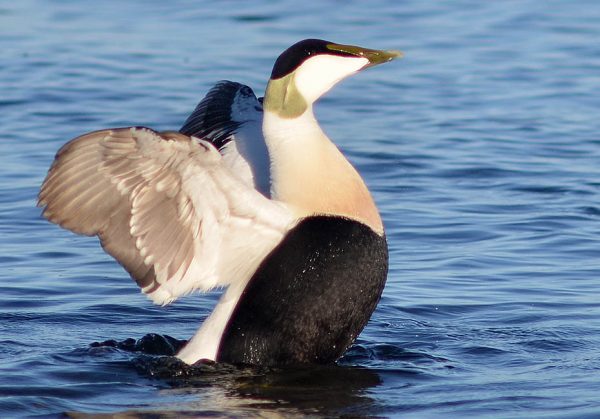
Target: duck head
x: 308, y: 69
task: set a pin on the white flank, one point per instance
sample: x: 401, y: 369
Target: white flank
x: 205, y: 343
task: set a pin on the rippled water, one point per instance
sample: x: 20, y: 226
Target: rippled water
x: 482, y: 149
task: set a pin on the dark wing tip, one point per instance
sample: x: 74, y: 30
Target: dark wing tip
x: 212, y: 119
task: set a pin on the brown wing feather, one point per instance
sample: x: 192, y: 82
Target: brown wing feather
x: 165, y: 207
x: 75, y: 194
x: 111, y: 183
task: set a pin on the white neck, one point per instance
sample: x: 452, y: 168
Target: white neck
x: 311, y: 175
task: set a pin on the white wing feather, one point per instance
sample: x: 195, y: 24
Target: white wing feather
x: 165, y: 206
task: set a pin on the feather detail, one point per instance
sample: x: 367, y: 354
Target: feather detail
x: 165, y: 206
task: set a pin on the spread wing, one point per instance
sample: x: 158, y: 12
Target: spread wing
x: 165, y: 206
x: 230, y: 117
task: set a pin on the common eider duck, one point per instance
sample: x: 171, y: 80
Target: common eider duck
x: 282, y: 219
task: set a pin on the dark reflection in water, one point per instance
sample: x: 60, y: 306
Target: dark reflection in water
x: 337, y: 390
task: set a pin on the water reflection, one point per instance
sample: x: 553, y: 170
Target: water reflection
x: 209, y: 387
x: 328, y: 390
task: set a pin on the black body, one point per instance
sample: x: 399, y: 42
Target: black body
x: 310, y: 298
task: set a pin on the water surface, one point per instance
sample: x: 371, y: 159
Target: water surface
x: 481, y: 148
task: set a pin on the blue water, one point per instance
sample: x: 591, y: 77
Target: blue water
x: 481, y: 147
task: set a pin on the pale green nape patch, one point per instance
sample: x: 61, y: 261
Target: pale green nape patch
x: 283, y: 98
